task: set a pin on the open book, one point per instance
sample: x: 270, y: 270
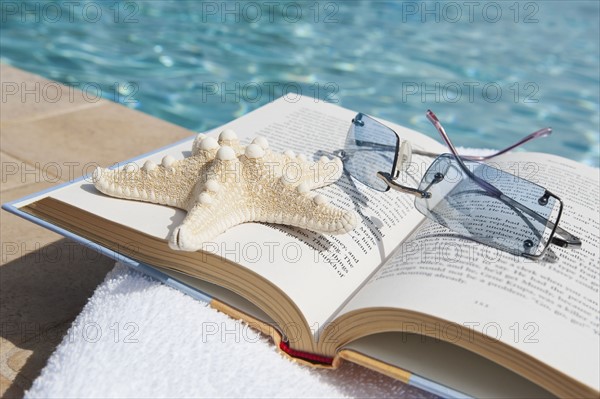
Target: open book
x: 399, y: 294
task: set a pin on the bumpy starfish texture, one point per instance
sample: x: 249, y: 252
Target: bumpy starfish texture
x: 223, y: 184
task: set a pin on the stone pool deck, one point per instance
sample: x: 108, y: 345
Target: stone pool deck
x: 48, y: 134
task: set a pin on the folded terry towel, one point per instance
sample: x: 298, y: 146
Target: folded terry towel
x: 139, y: 338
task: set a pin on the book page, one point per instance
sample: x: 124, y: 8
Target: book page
x: 548, y: 309
x: 318, y: 272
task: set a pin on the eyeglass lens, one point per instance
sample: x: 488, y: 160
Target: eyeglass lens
x: 462, y: 205
x: 370, y: 147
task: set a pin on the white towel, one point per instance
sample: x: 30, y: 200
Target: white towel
x: 139, y: 338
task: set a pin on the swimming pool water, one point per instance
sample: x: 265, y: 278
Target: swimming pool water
x: 492, y: 71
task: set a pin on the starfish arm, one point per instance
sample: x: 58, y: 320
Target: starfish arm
x: 298, y: 170
x: 169, y: 183
x: 204, y: 222
x: 322, y: 173
x: 296, y: 206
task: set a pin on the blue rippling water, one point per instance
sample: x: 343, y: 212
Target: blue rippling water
x: 492, y: 71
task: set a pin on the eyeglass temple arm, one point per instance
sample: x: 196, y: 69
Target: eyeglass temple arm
x: 485, y: 185
x: 482, y: 183
x: 540, y: 133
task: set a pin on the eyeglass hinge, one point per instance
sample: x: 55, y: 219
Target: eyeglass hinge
x: 358, y: 120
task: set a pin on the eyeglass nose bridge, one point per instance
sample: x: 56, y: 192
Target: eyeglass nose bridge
x: 387, y: 178
x: 404, y: 158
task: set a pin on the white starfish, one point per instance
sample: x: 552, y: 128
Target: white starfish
x: 223, y: 184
